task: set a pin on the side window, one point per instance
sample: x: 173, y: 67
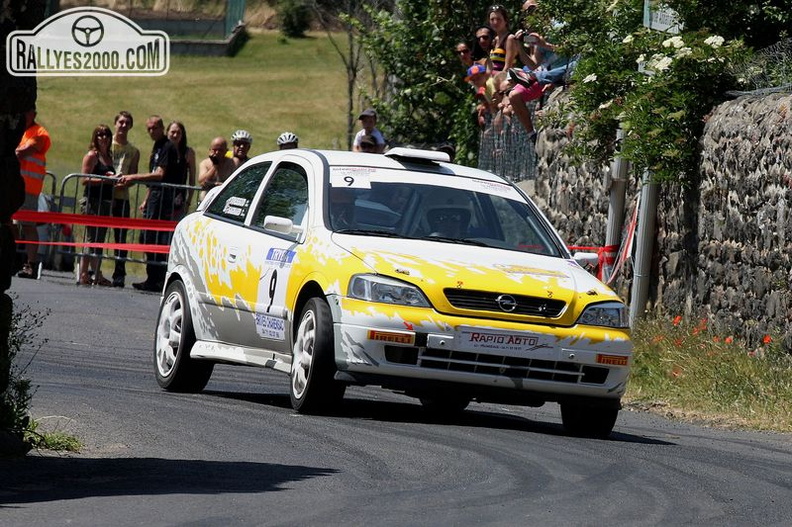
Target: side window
x: 234, y: 200
x: 286, y: 195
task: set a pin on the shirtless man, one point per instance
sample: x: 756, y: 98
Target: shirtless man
x: 216, y: 168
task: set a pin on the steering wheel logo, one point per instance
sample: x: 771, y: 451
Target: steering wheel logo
x: 87, y: 31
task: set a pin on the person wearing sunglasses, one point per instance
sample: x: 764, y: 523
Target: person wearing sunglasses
x: 463, y: 54
x: 98, y: 200
x: 482, y: 44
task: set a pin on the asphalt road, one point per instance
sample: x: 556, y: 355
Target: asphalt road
x: 238, y: 455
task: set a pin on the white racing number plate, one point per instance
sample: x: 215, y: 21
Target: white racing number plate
x: 508, y: 343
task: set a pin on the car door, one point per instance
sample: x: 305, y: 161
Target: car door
x: 224, y: 265
x: 271, y: 253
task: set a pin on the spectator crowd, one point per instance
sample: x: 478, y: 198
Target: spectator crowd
x: 508, y: 70
x: 172, y: 176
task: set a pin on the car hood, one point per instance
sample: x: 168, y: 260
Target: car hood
x: 436, y: 267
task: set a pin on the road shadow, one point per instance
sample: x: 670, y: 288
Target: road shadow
x: 406, y: 412
x: 38, y: 478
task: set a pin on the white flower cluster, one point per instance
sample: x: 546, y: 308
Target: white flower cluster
x: 659, y: 62
x: 683, y: 52
x: 676, y: 42
x: 715, y: 41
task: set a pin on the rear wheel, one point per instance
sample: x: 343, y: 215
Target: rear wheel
x: 313, y: 388
x: 588, y: 421
x: 173, y: 340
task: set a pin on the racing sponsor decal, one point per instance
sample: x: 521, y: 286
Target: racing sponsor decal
x: 280, y: 256
x: 270, y: 327
x: 612, y: 360
x: 391, y: 336
x: 490, y: 340
x: 351, y: 177
x: 236, y: 206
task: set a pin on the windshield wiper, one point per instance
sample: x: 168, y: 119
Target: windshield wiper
x: 461, y: 241
x: 369, y: 232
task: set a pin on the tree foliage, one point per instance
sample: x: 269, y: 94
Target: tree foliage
x: 427, y: 100
x: 664, y: 107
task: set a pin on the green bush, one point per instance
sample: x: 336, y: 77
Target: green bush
x: 295, y: 17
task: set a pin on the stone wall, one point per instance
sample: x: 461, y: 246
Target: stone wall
x: 724, y: 244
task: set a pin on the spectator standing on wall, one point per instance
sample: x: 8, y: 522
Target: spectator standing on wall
x: 98, y: 195
x: 126, y: 158
x: 216, y: 168
x: 368, y: 120
x: 159, y: 204
x: 241, y: 141
x: 32, y: 156
x: 185, y: 169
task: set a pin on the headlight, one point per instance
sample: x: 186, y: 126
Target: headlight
x: 607, y: 314
x: 375, y: 288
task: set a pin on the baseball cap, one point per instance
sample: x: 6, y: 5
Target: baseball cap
x: 368, y: 112
x: 475, y: 69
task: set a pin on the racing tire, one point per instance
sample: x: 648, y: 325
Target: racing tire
x: 588, y: 421
x: 173, y: 340
x: 445, y: 405
x: 313, y: 388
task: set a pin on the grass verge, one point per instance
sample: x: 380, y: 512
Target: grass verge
x: 684, y: 370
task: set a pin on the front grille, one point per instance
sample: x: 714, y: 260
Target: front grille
x: 513, y: 367
x: 488, y: 301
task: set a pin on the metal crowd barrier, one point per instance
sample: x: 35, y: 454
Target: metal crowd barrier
x: 505, y: 148
x: 72, y: 199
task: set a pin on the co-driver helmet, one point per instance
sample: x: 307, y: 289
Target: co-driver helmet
x: 286, y: 138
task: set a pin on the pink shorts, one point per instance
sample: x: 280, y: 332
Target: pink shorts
x: 529, y: 94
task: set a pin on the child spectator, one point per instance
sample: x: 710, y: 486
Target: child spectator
x: 368, y: 119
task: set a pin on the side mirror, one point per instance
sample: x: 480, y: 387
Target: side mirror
x: 281, y: 225
x: 588, y: 261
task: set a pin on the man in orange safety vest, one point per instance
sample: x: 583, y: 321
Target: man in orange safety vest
x: 31, y: 152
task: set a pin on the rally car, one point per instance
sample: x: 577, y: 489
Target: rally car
x: 442, y: 282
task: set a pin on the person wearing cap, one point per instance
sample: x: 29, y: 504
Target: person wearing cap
x: 240, y: 141
x: 368, y: 119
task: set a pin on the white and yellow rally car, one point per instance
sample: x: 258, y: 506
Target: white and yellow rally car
x: 400, y: 270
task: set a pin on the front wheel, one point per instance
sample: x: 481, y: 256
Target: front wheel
x: 173, y: 340
x: 588, y: 421
x: 313, y: 388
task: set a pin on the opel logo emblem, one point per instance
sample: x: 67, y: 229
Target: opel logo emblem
x: 507, y: 303
x: 87, y: 31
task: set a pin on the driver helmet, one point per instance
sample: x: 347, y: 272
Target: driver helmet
x: 286, y: 138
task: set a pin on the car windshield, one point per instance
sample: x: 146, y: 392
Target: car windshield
x: 474, y: 216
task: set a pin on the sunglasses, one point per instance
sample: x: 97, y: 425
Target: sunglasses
x: 497, y: 7
x: 240, y: 143
x: 483, y: 36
